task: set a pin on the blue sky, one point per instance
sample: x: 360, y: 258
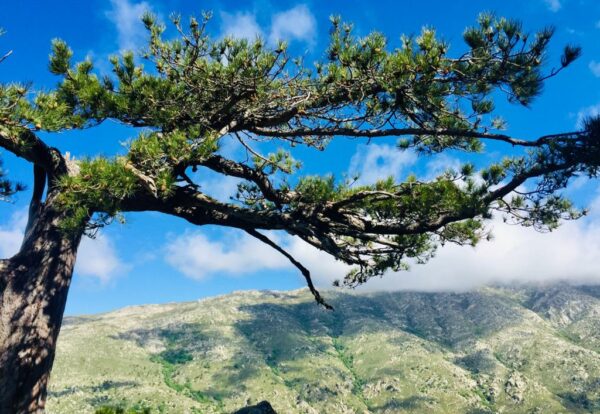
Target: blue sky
x: 154, y: 258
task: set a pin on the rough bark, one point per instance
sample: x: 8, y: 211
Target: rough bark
x: 33, y: 291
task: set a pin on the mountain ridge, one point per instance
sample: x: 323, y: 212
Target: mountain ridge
x: 497, y: 349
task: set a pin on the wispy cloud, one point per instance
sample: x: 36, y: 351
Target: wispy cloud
x: 595, y: 68
x: 220, y: 187
x: 11, y: 234
x: 98, y: 258
x: 126, y: 15
x: 241, y: 25
x: 553, y: 5
x: 441, y: 163
x: 297, y: 23
x: 589, y: 111
x: 198, y: 257
x: 379, y: 161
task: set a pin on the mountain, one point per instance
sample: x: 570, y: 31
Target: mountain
x: 498, y: 349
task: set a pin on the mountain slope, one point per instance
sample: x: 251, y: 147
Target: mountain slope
x: 525, y: 350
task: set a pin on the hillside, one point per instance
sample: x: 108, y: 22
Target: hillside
x: 526, y: 350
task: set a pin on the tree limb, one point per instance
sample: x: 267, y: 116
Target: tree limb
x: 228, y: 167
x: 396, y: 132
x: 25, y: 144
x: 305, y: 272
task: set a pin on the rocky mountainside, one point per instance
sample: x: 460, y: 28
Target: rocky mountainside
x: 509, y: 350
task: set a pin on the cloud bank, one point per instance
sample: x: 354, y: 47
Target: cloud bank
x: 515, y: 255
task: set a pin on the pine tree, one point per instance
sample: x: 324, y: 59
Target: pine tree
x: 194, y: 90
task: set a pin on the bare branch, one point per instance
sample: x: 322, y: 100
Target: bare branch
x: 305, y: 272
x: 228, y: 167
x: 6, y: 55
x: 396, y: 132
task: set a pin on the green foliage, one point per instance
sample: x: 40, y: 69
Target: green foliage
x: 316, y: 189
x: 278, y: 161
x: 190, y: 91
x: 100, y: 186
x: 7, y: 187
x: 60, y: 59
x: 348, y: 361
x: 11, y: 97
x: 169, y: 360
x: 121, y: 410
x: 176, y: 356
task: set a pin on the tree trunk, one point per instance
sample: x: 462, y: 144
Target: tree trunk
x: 33, y: 290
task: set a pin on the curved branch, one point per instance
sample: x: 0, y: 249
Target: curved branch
x: 305, y: 272
x: 226, y: 166
x: 25, y: 144
x: 200, y: 209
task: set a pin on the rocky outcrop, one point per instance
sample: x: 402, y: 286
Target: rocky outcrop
x: 262, y: 407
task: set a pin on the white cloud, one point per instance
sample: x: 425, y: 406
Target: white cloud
x: 198, y: 257
x: 241, y: 25
x: 98, y: 258
x: 126, y: 16
x: 590, y: 111
x: 441, y: 163
x: 218, y: 186
x: 595, y: 68
x: 553, y: 5
x: 297, y: 23
x: 11, y: 234
x: 516, y: 254
x: 377, y: 161
x: 238, y: 254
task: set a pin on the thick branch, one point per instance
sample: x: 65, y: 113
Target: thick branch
x: 25, y: 144
x: 397, y: 132
x: 200, y: 209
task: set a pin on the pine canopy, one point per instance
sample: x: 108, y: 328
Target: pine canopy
x: 186, y: 94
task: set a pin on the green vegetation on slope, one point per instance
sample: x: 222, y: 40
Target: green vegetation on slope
x: 526, y: 350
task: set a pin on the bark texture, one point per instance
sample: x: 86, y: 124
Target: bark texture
x: 33, y: 291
